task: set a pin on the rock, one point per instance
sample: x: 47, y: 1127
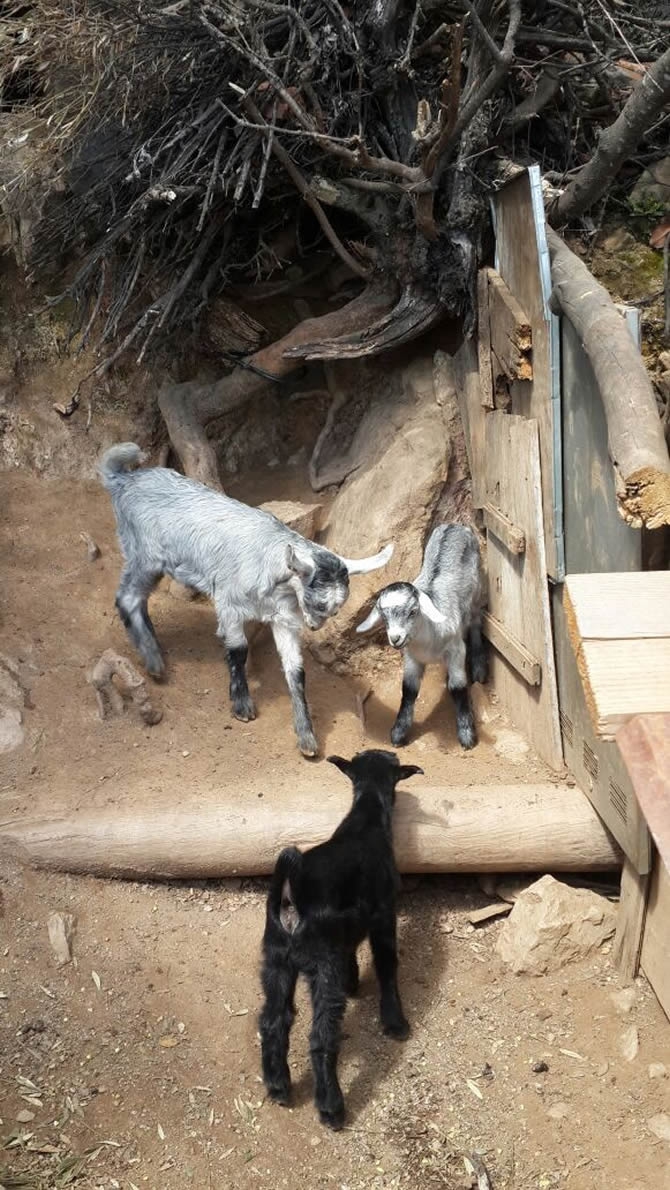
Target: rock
x: 629, y: 1044
x: 304, y: 518
x: 551, y: 925
x: 558, y: 1111
x: 398, y: 462
x: 657, y: 1070
x: 664, y: 360
x: 653, y: 183
x: 12, y: 734
x: 624, y: 999
x: 539, y: 1067
x: 25, y: 1116
x: 660, y: 1126
x: 61, y: 931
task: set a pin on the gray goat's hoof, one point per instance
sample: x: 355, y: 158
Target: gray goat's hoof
x: 309, y: 747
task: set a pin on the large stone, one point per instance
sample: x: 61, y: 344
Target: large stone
x: 552, y: 925
x: 304, y: 518
x: 654, y: 183
x: 399, y: 459
x: 12, y: 734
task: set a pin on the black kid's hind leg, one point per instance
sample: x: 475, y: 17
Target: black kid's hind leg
x: 385, y: 955
x: 328, y: 1004
x: 277, y: 1016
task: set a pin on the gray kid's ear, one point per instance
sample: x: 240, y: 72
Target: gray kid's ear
x: 407, y: 770
x: 371, y: 621
x: 365, y: 565
x: 300, y: 564
x: 345, y: 766
x: 429, y: 610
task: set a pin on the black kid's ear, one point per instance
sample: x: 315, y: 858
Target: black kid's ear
x: 407, y: 770
x: 344, y: 765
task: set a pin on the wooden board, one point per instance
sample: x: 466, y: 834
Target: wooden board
x: 596, y: 765
x: 518, y: 589
x: 473, y: 415
x: 630, y: 921
x: 475, y: 828
x: 618, y: 606
x: 522, y: 261
x: 655, y: 957
x: 623, y: 656
x: 510, y: 332
x: 484, y: 339
x: 644, y: 744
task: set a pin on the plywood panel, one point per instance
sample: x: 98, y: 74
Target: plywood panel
x: 630, y: 921
x: 595, y: 764
x: 616, y: 606
x: 473, y: 415
x: 522, y: 261
x: 655, y: 948
x: 644, y: 744
x: 518, y: 589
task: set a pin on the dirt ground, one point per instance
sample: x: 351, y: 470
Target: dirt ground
x: 138, y: 1064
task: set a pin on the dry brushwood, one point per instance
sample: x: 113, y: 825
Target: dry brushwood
x: 110, y: 699
x: 214, y: 150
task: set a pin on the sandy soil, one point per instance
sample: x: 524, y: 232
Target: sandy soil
x: 138, y: 1064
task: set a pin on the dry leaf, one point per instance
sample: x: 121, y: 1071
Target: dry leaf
x: 96, y: 979
x: 61, y: 929
x: 474, y: 1088
x: 168, y: 1042
x: 572, y: 1054
x: 160, y: 1132
x: 659, y: 234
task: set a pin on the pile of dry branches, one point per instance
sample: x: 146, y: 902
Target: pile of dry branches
x: 202, y: 145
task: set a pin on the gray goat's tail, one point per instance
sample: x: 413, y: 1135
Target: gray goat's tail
x: 118, y: 459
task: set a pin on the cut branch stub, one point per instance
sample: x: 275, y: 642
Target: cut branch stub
x: 110, y: 699
x: 636, y: 443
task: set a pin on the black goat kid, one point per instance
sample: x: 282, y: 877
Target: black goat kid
x: 322, y: 904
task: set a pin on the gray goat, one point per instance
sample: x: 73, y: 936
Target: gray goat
x: 253, y: 568
x: 437, y: 619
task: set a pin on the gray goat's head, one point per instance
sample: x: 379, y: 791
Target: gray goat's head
x: 320, y: 579
x: 398, y: 607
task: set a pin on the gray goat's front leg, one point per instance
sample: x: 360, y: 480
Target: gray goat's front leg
x: 237, y: 651
x: 457, y: 683
x: 412, y: 676
x: 287, y: 641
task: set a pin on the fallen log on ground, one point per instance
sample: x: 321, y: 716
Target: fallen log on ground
x: 636, y: 442
x: 481, y: 828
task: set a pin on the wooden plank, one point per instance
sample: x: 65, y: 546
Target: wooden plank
x: 512, y: 650
x: 468, y: 388
x: 504, y: 530
x: 518, y: 589
x: 620, y: 605
x: 655, y: 958
x: 510, y: 330
x: 596, y: 764
x: 623, y: 678
x: 630, y: 921
x: 518, y: 262
x: 644, y: 744
x: 484, y: 340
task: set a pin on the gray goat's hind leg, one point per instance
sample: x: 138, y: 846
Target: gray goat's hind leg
x: 287, y: 642
x: 477, y: 654
x: 132, y: 597
x: 412, y: 677
x: 237, y: 652
x: 457, y: 684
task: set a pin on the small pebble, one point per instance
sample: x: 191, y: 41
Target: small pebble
x: 540, y: 1068
x: 657, y: 1070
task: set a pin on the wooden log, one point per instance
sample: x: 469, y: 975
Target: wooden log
x: 511, y: 333
x: 498, y: 828
x: 636, y: 443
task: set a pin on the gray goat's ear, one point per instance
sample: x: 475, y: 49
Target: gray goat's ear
x: 345, y: 766
x: 365, y: 565
x: 299, y: 563
x: 370, y: 621
x: 407, y: 770
x: 429, y: 610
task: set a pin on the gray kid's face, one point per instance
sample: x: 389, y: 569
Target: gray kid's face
x: 323, y: 594
x: 399, y: 609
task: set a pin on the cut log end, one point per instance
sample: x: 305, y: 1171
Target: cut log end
x: 644, y: 500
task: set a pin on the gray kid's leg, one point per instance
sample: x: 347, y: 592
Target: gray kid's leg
x: 288, y: 646
x: 457, y: 684
x: 132, y: 598
x: 237, y: 651
x: 412, y: 677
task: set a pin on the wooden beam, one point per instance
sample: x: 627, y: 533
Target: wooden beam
x: 644, y: 744
x: 510, y: 329
x: 512, y: 650
x: 478, y: 828
x: 502, y: 528
x: 630, y: 921
x: 655, y: 957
